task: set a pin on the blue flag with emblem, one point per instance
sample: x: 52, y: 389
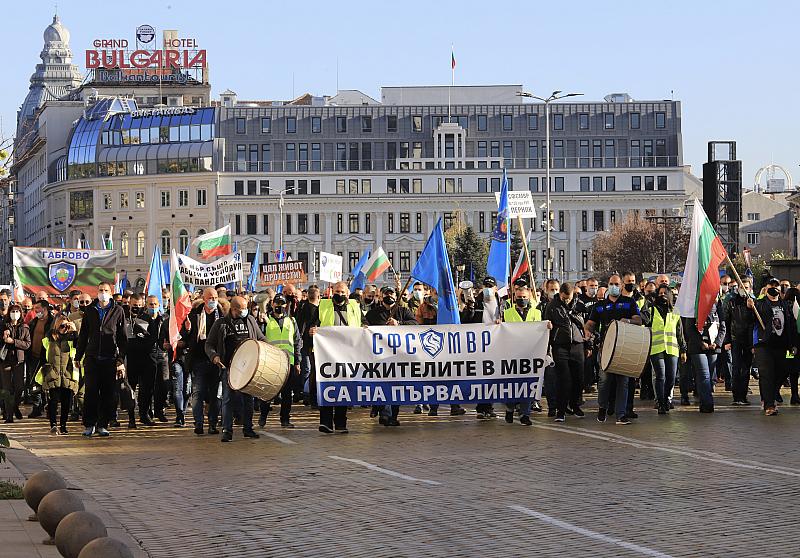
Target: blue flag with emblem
x: 359, y: 279
x: 433, y: 268
x: 499, y: 252
x: 253, y: 278
x: 155, y: 276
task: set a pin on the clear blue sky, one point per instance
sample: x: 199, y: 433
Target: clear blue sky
x: 715, y: 57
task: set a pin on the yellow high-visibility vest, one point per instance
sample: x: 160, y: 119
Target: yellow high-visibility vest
x: 665, y: 334
x: 326, y: 316
x: 283, y: 338
x: 511, y: 315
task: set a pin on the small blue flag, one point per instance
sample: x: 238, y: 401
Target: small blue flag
x: 433, y: 268
x: 359, y: 279
x: 155, y: 276
x: 499, y: 252
x: 251, y: 281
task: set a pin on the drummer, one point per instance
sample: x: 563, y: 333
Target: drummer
x: 614, y: 307
x: 225, y: 336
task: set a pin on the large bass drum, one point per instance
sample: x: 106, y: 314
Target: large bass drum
x: 258, y: 369
x: 625, y: 349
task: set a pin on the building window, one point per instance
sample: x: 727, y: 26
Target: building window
x: 584, y: 260
x: 366, y: 124
x: 106, y: 201
x: 482, y: 123
x: 635, y: 120
x: 416, y: 123
x: 416, y: 184
x: 558, y: 184
x: 611, y: 183
x: 368, y: 223
x: 237, y: 224
x: 391, y: 123
x: 753, y: 238
x: 263, y: 187
x: 315, y: 187
x: 316, y: 124
x: 448, y: 220
x: 341, y: 124
x: 289, y: 187
x: 339, y: 223
x: 419, y: 223
x: 291, y: 124
x: 139, y: 200
x: 533, y: 183
x: 166, y: 244
x: 240, y: 126
x: 610, y: 153
x: 583, y: 121
x: 238, y: 187
x: 533, y: 122
x: 481, y: 222
x: 265, y: 224
x: 562, y: 221
x: 183, y: 241
x: 636, y: 183
x: 266, y: 157
x: 405, y: 222
x: 353, y: 186
x: 558, y: 121
x: 405, y: 261
x: 391, y: 186
x: 140, y: 244
x: 495, y: 184
x: 123, y: 200
x: 661, y: 182
x: 584, y: 183
x: 123, y: 244
x: 316, y: 223
x: 183, y: 199
x: 649, y: 183
x: 390, y: 223
x: 562, y: 260
x: 599, y: 221
x: 584, y: 221
x: 266, y: 124
x: 661, y: 120
x: 754, y: 216
x: 597, y: 183
x: 608, y: 120
x: 612, y: 217
x: 353, y: 223
x: 507, y: 123
x: 291, y: 156
x: 482, y: 185
x: 558, y: 154
x: 250, y: 224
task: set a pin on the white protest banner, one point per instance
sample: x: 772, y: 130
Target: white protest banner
x: 330, y: 267
x: 409, y: 365
x: 520, y: 204
x: 227, y: 269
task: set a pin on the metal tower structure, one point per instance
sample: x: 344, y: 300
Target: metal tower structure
x: 722, y: 192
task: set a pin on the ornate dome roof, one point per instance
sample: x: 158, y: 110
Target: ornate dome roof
x: 55, y: 32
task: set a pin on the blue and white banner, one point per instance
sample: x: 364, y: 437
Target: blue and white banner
x: 409, y: 365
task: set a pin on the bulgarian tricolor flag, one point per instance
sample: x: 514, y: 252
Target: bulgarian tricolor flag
x: 214, y: 244
x: 376, y: 265
x: 521, y: 268
x: 181, y: 302
x: 700, y: 287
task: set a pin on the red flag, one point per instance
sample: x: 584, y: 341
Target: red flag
x: 521, y: 267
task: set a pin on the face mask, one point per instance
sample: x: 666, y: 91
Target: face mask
x: 723, y: 288
x: 339, y: 299
x: 39, y: 314
x: 419, y: 295
x: 244, y: 313
x: 104, y: 298
x: 523, y: 302
x: 367, y: 301
x: 629, y: 288
x: 211, y: 304
x: 743, y: 294
x: 389, y: 300
x: 614, y: 290
x: 487, y: 292
x: 277, y: 310
x: 591, y: 291
x: 772, y: 291
x: 152, y: 311
x: 553, y: 294
x: 651, y: 294
x: 14, y: 316
x: 76, y: 304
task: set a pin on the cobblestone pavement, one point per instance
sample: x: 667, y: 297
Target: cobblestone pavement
x: 681, y: 485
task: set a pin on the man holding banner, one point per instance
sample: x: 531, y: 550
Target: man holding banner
x: 338, y: 311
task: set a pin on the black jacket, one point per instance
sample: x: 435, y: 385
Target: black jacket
x: 146, y: 331
x: 378, y: 315
x: 739, y: 321
x: 768, y: 338
x: 106, y: 340
x: 306, y: 318
x: 567, y: 323
x: 196, y: 350
x: 695, y: 339
x: 215, y: 343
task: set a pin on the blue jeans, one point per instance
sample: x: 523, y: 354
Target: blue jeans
x: 524, y: 406
x: 620, y: 384
x: 703, y: 364
x: 205, y: 383
x: 231, y: 398
x: 305, y: 371
x: 664, y: 369
x: 179, y: 382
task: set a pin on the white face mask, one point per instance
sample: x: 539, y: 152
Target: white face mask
x: 103, y: 297
x: 419, y: 295
x: 76, y: 304
x: 591, y: 291
x: 14, y: 316
x: 244, y: 313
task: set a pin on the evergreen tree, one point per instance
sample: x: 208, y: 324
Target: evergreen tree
x: 516, y: 243
x: 471, y: 251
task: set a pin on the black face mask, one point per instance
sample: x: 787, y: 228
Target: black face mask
x: 629, y: 287
x: 389, y: 300
x: 277, y: 310
x: 772, y: 291
x: 339, y: 299
x: 136, y: 310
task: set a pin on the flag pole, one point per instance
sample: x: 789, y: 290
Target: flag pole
x: 741, y: 286
x: 527, y: 255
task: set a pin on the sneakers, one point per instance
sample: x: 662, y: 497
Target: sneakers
x: 393, y: 422
x: 706, y: 408
x: 226, y: 437
x: 198, y: 430
x: 457, y: 411
x: 433, y: 413
x: 510, y: 417
x: 560, y: 417
x: 778, y: 399
x: 551, y: 412
x: 525, y: 420
x: 632, y: 415
x: 325, y: 429
x: 736, y: 403
x: 685, y: 400
x: 103, y: 432
x: 771, y: 411
x: 262, y: 421
x: 624, y: 420
x: 601, y: 415
x: 213, y: 430
x: 286, y: 424
x: 745, y: 402
x: 63, y: 430
x: 162, y: 418
x: 89, y: 432
x: 418, y: 410
x: 662, y: 410
x: 250, y: 434
x: 383, y: 420
x: 578, y: 412
x: 536, y: 407
x: 53, y: 429
x: 342, y: 430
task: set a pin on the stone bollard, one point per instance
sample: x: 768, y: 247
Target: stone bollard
x: 106, y: 547
x: 38, y: 486
x: 54, y: 507
x: 76, y: 531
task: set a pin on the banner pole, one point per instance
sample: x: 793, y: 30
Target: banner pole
x: 527, y: 256
x: 741, y: 286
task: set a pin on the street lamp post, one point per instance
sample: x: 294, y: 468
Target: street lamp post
x: 663, y: 220
x: 554, y: 96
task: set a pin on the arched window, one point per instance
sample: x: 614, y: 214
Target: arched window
x: 140, y: 244
x: 123, y: 244
x: 200, y: 232
x: 183, y: 240
x: 166, y: 244
x: 82, y: 242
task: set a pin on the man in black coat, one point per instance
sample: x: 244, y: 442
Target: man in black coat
x: 102, y: 340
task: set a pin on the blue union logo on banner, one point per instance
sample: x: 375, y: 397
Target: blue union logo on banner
x: 62, y: 275
x: 432, y: 342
